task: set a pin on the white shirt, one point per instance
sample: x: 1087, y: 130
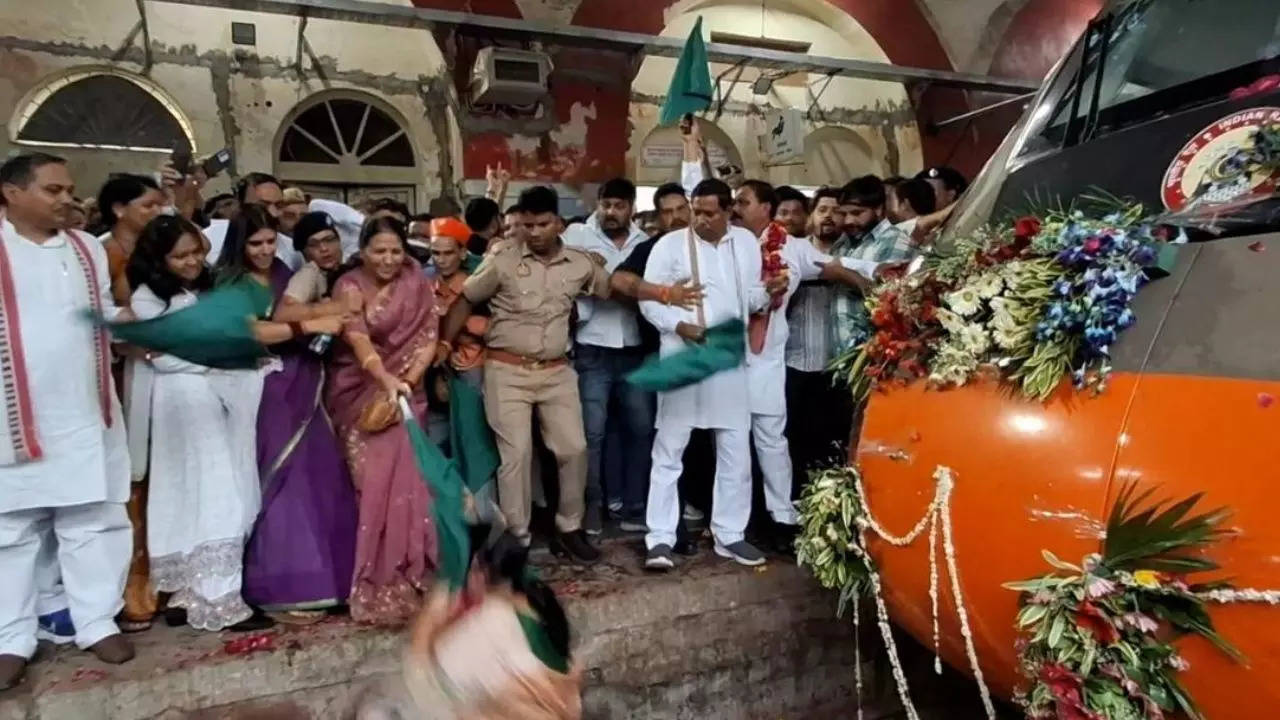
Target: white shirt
x: 605, y: 323
x: 216, y: 233
x: 83, y: 460
x: 347, y: 220
x: 729, y: 272
x: 766, y: 372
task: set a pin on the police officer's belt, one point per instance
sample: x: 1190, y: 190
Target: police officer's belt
x: 523, y: 361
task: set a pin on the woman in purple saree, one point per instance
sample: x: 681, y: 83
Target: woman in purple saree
x: 300, y: 556
x: 387, y: 346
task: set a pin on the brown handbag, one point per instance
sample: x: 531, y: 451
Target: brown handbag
x: 379, y: 414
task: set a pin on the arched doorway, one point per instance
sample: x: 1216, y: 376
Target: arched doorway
x: 814, y: 27
x: 104, y: 109
x: 661, y: 152
x: 347, y: 146
x: 834, y: 155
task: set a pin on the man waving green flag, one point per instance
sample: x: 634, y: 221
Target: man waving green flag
x: 691, y: 88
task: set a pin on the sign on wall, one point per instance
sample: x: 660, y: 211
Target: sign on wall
x: 660, y: 155
x: 782, y: 142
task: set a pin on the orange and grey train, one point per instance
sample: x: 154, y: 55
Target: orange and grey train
x: 1163, y: 101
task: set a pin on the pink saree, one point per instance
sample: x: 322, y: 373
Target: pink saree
x: 395, y: 538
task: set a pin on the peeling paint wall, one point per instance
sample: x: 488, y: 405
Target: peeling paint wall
x: 878, y: 124
x: 232, y: 95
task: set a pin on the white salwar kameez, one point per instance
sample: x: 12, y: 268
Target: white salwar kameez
x: 204, y: 492
x: 729, y: 272
x: 80, y: 483
x: 767, y: 377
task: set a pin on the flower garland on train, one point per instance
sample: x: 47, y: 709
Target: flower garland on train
x: 1097, y: 639
x: 1033, y: 301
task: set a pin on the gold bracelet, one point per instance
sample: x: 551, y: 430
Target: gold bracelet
x: 369, y: 361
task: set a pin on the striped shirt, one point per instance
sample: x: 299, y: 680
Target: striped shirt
x: 809, y: 316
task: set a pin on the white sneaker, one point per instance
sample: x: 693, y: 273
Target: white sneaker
x: 693, y: 514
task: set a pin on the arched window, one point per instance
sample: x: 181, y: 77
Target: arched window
x: 346, y: 137
x: 341, y: 130
x: 102, y: 108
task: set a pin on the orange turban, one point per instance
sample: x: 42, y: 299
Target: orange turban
x: 451, y: 228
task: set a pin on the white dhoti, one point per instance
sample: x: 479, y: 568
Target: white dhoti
x: 94, y: 543
x: 731, y: 494
x: 774, y: 456
x: 78, y: 481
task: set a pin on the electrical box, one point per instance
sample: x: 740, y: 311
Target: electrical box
x: 509, y: 77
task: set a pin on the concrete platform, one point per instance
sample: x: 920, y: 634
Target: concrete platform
x: 712, y: 640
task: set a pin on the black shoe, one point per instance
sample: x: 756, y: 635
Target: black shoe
x: 175, y: 616
x: 574, y: 545
x: 686, y: 547
x: 255, y: 623
x: 659, y: 559
x: 784, y: 539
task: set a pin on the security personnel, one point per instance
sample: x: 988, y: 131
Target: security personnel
x: 531, y: 290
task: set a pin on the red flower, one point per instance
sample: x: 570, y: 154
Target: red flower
x: 1065, y: 687
x: 1089, y: 617
x: 1026, y: 227
x: 1092, y: 245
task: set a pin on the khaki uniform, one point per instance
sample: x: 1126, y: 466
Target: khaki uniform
x: 530, y: 302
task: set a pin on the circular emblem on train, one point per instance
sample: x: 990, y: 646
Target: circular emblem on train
x: 1234, y: 157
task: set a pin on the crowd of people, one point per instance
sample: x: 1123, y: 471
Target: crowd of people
x: 137, y: 485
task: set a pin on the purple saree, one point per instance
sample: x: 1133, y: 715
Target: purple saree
x: 302, y: 551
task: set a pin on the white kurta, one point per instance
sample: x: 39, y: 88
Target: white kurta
x: 79, y: 486
x: 83, y: 460
x: 729, y: 272
x: 204, y: 492
x: 767, y: 371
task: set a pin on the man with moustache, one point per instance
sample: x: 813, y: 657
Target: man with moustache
x: 609, y: 346
x: 818, y: 412
x: 869, y: 234
x: 64, y: 461
x: 758, y: 205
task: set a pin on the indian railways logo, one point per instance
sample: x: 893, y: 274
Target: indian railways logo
x: 1234, y: 157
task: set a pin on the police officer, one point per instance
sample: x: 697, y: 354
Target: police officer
x: 531, y: 288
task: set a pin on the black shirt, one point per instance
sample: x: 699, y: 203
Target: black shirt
x: 635, y: 264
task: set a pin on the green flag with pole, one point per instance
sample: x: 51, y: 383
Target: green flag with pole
x: 691, y: 89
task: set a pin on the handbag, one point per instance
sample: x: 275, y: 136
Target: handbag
x: 379, y: 414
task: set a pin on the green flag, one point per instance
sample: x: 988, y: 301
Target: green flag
x: 453, y: 541
x: 725, y: 347
x: 691, y: 88
x: 216, y: 332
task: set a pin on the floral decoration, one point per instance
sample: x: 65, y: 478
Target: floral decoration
x: 1033, y: 301
x: 1096, y: 639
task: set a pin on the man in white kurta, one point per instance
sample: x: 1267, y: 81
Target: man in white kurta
x: 767, y: 378
x: 728, y: 268
x: 757, y: 205
x: 61, y: 461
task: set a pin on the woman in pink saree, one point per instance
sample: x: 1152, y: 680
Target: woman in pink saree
x: 388, y: 345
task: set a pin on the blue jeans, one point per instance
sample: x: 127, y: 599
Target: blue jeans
x: 601, y: 378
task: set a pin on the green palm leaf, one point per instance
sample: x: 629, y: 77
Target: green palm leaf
x: 1157, y: 535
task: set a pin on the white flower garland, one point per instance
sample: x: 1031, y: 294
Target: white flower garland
x: 857, y: 655
x: 940, y: 507
x: 933, y: 592
x: 1245, y: 595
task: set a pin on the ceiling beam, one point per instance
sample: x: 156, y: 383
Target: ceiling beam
x: 379, y: 13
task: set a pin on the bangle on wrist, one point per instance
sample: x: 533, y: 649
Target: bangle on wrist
x: 664, y: 295
x: 368, y: 362
x: 295, y: 328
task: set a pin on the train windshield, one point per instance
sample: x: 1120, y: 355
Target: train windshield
x: 1145, y: 58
